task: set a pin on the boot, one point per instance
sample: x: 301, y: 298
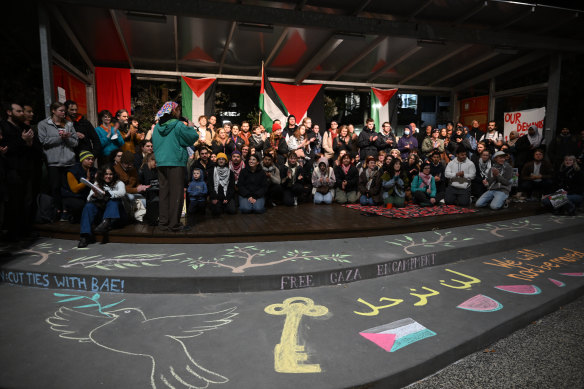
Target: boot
x: 104, y: 226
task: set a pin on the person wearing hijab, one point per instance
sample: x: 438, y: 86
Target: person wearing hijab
x: 170, y: 138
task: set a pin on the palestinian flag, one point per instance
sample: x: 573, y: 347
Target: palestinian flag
x: 271, y: 107
x: 198, y: 97
x: 278, y: 100
x: 381, y: 110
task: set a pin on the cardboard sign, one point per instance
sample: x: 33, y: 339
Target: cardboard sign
x: 520, y: 121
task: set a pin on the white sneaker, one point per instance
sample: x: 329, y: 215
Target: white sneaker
x: 295, y: 201
x: 442, y: 201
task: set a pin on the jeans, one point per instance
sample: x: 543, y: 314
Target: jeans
x: 496, y: 198
x: 246, y: 207
x: 91, y: 211
x: 364, y: 200
x: 323, y: 198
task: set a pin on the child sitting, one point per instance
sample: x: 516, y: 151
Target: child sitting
x: 197, y: 192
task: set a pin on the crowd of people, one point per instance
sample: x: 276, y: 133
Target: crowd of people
x: 115, y: 173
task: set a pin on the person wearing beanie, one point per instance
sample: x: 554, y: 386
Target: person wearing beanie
x: 74, y: 192
x: 291, y: 127
x: 460, y: 172
x: 424, y: 187
x: 499, y: 183
x: 276, y: 126
x: 221, y: 187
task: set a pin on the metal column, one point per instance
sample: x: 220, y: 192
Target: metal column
x: 46, y: 58
x: 553, y: 96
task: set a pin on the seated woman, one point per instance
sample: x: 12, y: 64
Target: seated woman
x: 323, y: 182
x: 571, y: 179
x: 104, y: 205
x: 370, y: 183
x: 394, y: 183
x: 252, y: 185
x: 148, y: 176
x: 347, y: 178
x: 221, y: 187
x: 424, y: 187
x: 74, y: 192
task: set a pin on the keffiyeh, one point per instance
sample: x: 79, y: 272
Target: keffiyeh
x: 168, y: 107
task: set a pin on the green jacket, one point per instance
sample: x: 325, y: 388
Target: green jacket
x: 170, y: 141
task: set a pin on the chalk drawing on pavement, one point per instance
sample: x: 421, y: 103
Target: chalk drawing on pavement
x: 496, y: 229
x: 572, y: 274
x: 124, y: 330
x: 93, y: 304
x: 443, y: 239
x: 42, y: 250
x: 480, y: 303
x: 520, y: 289
x: 288, y: 354
x: 236, y: 259
x: 398, y: 334
x: 557, y: 283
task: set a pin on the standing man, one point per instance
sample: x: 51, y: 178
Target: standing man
x: 171, y: 137
x: 367, y: 139
x: 493, y: 138
x: 18, y: 148
x: 86, y: 135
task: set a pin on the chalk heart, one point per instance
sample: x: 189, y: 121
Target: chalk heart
x: 385, y: 341
x: 572, y: 274
x: 520, y: 289
x: 557, y: 283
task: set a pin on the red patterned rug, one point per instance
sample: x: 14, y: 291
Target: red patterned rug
x: 410, y: 211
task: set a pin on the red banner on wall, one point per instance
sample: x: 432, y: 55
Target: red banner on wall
x: 475, y: 108
x: 113, y: 89
x: 71, y: 88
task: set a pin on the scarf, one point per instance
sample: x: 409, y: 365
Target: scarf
x: 293, y: 171
x: 221, y: 178
x: 484, y: 168
x: 534, y: 140
x: 346, y: 169
x: 236, y: 169
x: 426, y: 178
x: 370, y: 174
x: 257, y: 138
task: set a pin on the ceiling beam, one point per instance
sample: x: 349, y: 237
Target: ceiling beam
x: 471, y: 13
x: 226, y: 46
x: 436, y: 62
x: 553, y: 26
x: 72, y: 37
x: 251, y: 13
x: 325, y: 50
x: 364, y: 4
x: 516, y: 19
x: 348, y: 85
x: 359, y: 56
x: 420, y: 9
x: 277, y: 46
x: 464, y: 68
x: 121, y: 36
x: 396, y: 62
x: 501, y: 70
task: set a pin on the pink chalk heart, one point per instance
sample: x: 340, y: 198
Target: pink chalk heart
x: 385, y: 341
x: 520, y: 289
x: 481, y: 303
x: 557, y: 283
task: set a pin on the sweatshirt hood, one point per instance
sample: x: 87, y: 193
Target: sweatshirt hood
x: 167, y: 127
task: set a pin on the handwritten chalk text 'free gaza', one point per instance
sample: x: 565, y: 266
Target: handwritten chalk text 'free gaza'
x: 43, y: 280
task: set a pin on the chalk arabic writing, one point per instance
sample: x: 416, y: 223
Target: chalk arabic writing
x: 422, y: 297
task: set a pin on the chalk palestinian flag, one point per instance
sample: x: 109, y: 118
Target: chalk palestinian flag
x: 380, y: 106
x: 278, y: 100
x: 198, y: 97
x: 398, y: 334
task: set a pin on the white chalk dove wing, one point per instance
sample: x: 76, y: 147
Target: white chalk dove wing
x: 72, y: 324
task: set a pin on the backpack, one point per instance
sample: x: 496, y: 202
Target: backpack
x: 46, y: 209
